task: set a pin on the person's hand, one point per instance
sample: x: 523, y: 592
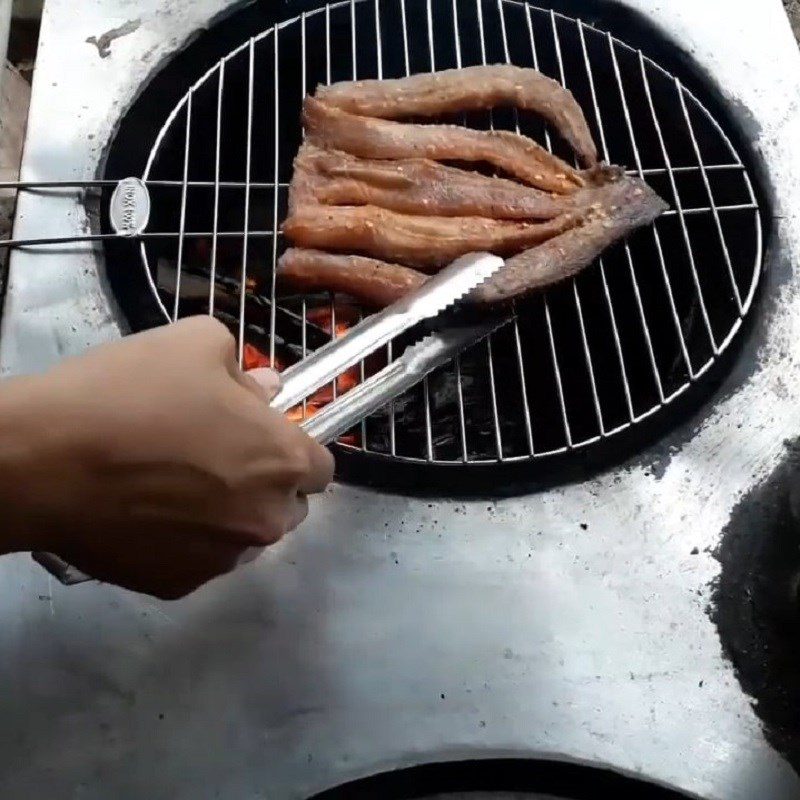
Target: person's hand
x: 153, y: 463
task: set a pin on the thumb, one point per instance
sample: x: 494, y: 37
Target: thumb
x: 266, y: 382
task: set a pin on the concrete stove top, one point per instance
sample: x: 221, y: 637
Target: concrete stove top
x: 392, y: 631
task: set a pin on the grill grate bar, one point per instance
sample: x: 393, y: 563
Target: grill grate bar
x: 498, y: 438
x: 328, y: 43
x: 462, y: 417
x: 576, y: 292
x: 656, y: 236
x: 426, y: 392
x: 248, y: 174
x: 717, y: 222
x: 405, y: 36
x: 429, y: 21
x: 378, y: 37
x: 332, y: 303
x: 217, y: 164
x: 546, y: 302
x: 354, y: 40
x: 523, y: 382
x: 628, y: 258
x: 276, y: 168
x: 110, y: 183
x: 389, y: 345
x: 557, y: 370
x: 498, y: 434
x: 262, y: 234
x: 678, y: 207
x: 184, y: 193
x: 303, y: 86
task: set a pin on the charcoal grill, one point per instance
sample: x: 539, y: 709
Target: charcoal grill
x: 579, y: 365
x: 556, y: 641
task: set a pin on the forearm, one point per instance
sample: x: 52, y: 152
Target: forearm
x: 22, y: 426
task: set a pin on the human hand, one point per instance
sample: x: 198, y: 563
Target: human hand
x: 154, y: 463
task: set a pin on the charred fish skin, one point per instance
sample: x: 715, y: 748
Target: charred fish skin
x: 467, y: 89
x: 331, y: 128
x: 629, y: 204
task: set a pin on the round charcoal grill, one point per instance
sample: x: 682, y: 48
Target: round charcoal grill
x: 581, y: 363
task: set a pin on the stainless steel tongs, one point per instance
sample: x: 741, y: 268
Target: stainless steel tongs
x: 324, y: 365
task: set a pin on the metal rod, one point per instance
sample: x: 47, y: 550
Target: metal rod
x: 275, y: 175
x: 498, y: 436
x: 245, y: 237
x: 389, y: 344
x: 545, y: 302
x: 303, y: 89
x: 520, y: 358
x: 255, y: 234
x: 110, y: 183
x: 557, y: 372
x: 354, y: 41
x: 217, y: 158
x: 587, y: 354
x: 184, y: 193
x: 426, y: 395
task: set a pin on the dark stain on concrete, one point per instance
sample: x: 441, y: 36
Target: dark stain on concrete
x: 755, y: 603
x: 104, y: 41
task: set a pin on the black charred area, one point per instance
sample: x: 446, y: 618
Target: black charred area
x: 756, y: 605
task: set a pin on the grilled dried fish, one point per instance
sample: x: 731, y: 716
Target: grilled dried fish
x: 426, y: 242
x: 373, y: 283
x: 628, y: 204
x: 331, y: 128
x: 419, y: 186
x: 468, y: 88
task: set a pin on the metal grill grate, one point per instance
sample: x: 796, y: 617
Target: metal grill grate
x: 579, y: 363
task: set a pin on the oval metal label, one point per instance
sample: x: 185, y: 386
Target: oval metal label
x: 130, y: 207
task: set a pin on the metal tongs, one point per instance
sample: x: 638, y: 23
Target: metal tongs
x: 324, y: 365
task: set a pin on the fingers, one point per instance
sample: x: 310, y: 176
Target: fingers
x: 320, y: 469
x: 297, y: 517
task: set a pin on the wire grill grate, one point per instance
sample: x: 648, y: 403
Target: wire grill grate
x: 579, y: 363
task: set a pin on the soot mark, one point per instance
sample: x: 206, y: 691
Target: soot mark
x: 103, y: 42
x: 756, y: 604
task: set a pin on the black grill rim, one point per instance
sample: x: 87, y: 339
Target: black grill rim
x: 127, y: 154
